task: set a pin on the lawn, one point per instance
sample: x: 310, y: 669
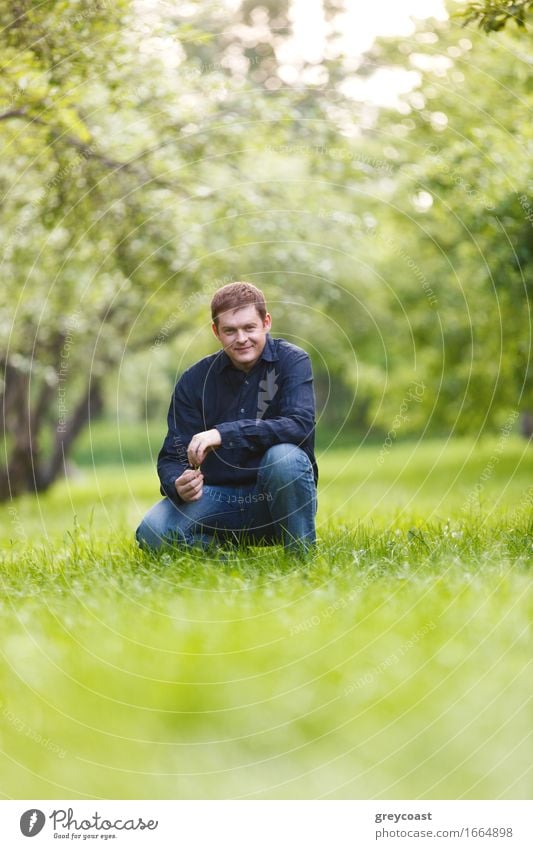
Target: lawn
x: 396, y: 663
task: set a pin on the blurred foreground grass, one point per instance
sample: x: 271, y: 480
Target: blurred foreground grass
x: 395, y: 664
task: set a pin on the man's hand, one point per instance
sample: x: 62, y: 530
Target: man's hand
x: 190, y: 485
x: 201, y: 444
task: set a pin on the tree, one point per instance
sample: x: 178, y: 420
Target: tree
x: 128, y: 142
x: 90, y: 210
x: 454, y: 234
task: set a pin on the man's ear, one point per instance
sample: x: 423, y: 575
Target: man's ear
x: 214, y: 328
x: 267, y: 324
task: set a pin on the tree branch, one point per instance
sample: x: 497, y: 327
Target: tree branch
x: 13, y: 113
x: 90, y: 152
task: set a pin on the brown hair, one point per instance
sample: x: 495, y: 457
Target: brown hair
x: 236, y: 295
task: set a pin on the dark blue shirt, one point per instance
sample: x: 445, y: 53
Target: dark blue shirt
x: 272, y: 403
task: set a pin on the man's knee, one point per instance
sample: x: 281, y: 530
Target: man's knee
x: 147, y: 535
x: 284, y: 463
x: 157, y: 528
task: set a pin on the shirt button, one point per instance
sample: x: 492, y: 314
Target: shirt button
x: 231, y: 445
x: 242, y: 409
x: 246, y: 382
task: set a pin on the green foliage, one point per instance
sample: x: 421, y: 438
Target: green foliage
x: 120, y: 159
x: 388, y: 665
x: 453, y: 236
x: 493, y: 15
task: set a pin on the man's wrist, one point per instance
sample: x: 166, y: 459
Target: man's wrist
x: 169, y: 489
x: 213, y: 437
x: 228, y: 434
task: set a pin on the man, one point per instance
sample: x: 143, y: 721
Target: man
x: 238, y: 460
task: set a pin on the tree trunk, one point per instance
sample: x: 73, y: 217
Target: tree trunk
x: 89, y: 406
x: 527, y: 424
x: 17, y: 476
x: 27, y: 471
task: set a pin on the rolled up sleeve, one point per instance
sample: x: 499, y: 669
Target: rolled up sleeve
x: 184, y: 420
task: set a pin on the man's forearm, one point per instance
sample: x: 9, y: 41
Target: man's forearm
x: 168, y: 475
x: 255, y: 434
x: 171, y: 463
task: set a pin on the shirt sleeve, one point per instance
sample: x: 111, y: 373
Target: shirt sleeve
x: 184, y: 420
x: 297, y: 412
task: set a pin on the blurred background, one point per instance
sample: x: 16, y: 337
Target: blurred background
x: 367, y: 168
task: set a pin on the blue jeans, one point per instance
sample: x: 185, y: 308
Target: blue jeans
x: 279, y: 507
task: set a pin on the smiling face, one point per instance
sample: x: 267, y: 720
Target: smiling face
x: 242, y: 333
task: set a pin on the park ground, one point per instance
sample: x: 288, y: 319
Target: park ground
x: 395, y: 663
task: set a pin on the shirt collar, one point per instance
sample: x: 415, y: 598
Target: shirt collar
x: 270, y: 355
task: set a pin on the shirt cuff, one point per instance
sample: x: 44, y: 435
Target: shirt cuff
x: 230, y: 435
x: 169, y: 489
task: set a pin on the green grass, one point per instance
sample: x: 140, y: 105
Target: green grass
x: 394, y: 664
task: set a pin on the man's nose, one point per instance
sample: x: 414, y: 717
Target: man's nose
x: 241, y: 336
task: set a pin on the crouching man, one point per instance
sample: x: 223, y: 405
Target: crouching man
x: 238, y: 460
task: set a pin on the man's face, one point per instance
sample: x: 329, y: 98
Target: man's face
x: 242, y: 334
